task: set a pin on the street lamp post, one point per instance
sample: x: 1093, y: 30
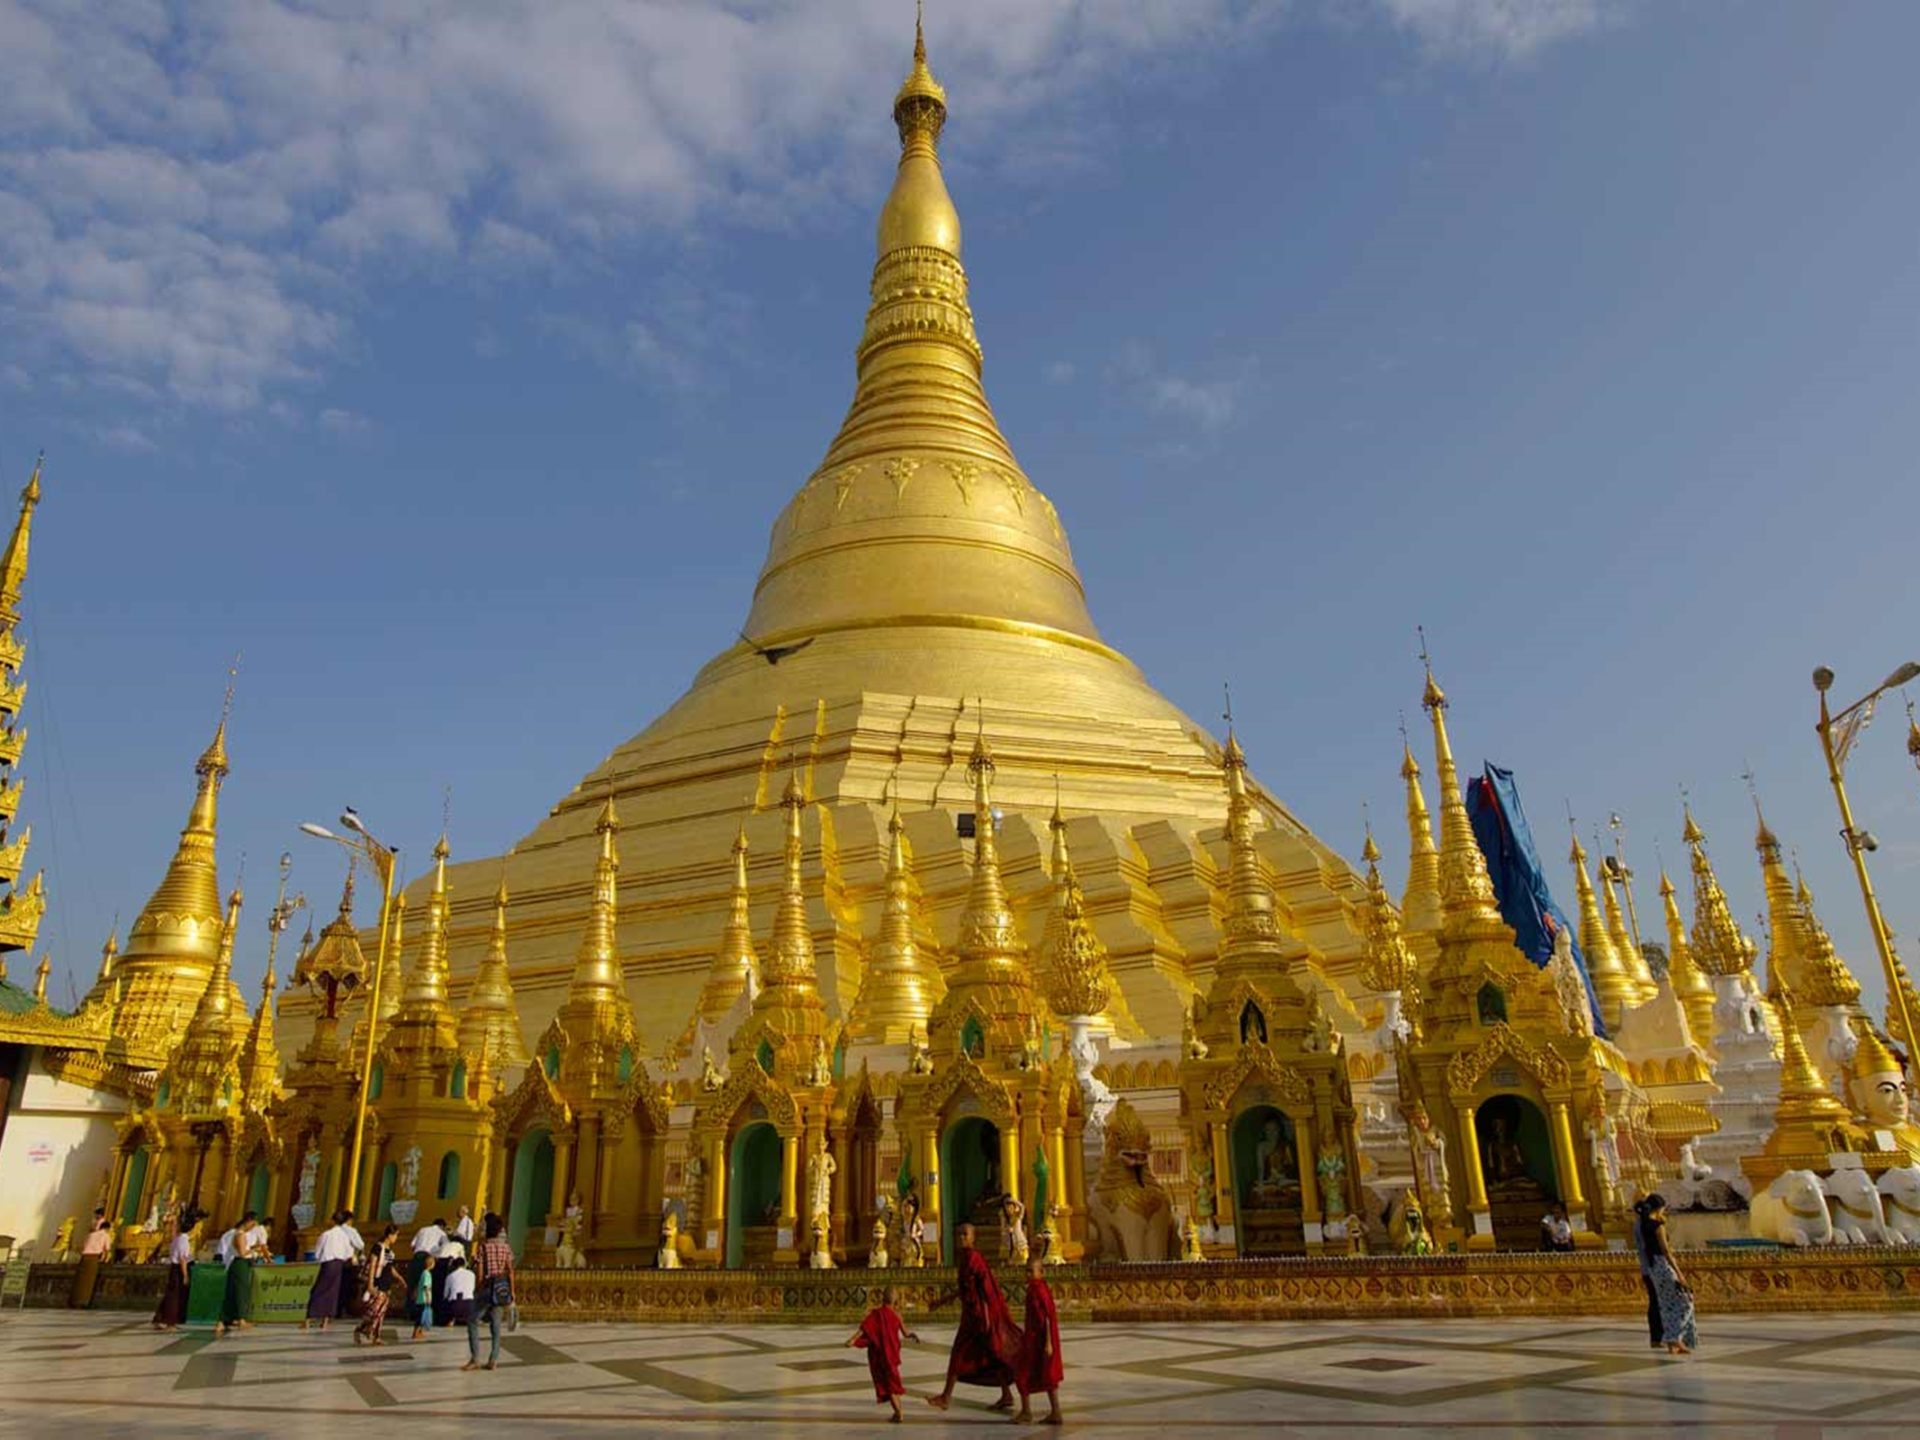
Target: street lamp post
x: 1837, y: 733
x: 381, y: 857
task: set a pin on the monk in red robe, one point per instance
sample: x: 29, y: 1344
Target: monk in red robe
x: 1038, y: 1367
x: 988, y: 1344
x: 879, y: 1335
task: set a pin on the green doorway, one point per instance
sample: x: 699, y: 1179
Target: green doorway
x: 969, y: 1173
x: 532, y: 1187
x: 753, y: 1195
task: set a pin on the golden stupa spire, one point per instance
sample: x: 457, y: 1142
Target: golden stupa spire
x: 789, y: 968
x: 1824, y: 976
x: 103, y: 987
x: 919, y: 512
x: 201, y: 1067
x: 1808, y: 1110
x: 1466, y: 890
x: 990, y: 948
x: 13, y: 560
x: 1787, y: 937
x: 260, y: 1054
x: 1074, y: 962
x: 736, y: 966
x: 1420, y: 902
x: 425, y: 1027
x: 490, y: 1019
x: 175, y: 940
x: 1690, y: 987
x: 1611, y: 982
x: 1718, y: 945
x: 1252, y: 944
x: 900, y: 985
x: 596, y: 1005
x: 1386, y: 965
x: 22, y: 908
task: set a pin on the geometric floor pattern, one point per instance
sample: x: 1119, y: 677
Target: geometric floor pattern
x: 1794, y: 1377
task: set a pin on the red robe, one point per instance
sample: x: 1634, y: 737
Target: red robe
x: 1037, y: 1371
x: 880, y: 1336
x: 988, y: 1345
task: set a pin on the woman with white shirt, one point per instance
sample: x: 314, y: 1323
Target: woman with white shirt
x: 335, y: 1250
x: 173, y: 1299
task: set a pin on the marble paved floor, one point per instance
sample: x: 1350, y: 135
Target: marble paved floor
x: 1791, y: 1377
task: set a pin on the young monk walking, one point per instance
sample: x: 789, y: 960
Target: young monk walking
x: 1039, y: 1365
x: 988, y: 1343
x: 879, y: 1335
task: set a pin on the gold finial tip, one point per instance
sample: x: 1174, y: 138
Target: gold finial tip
x: 1409, y: 767
x: 1691, y: 832
x: 1234, y: 755
x: 793, y: 795
x: 440, y: 848
x: 740, y: 835
x: 1432, y: 697
x: 1666, y: 885
x: 609, y: 817
x: 1370, y: 852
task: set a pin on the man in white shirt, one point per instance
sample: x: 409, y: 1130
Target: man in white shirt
x: 459, y: 1283
x: 223, y: 1249
x: 463, y: 1227
x: 427, y: 1241
x: 335, y: 1251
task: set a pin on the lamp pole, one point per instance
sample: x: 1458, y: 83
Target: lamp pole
x: 1857, y: 840
x: 382, y: 858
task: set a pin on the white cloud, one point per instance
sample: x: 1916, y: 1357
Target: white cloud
x: 128, y: 440
x: 1209, y: 404
x: 344, y: 422
x: 198, y: 196
x: 1061, y: 372
x: 1502, y: 29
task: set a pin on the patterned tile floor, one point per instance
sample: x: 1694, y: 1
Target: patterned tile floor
x: 1791, y: 1377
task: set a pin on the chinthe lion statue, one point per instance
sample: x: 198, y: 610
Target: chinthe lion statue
x: 1131, y: 1215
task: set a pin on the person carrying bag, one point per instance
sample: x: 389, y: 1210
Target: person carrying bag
x: 493, y: 1294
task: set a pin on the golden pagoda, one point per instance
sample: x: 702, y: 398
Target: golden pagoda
x: 174, y: 944
x: 431, y: 1130
x: 1266, y: 1088
x: 1390, y: 968
x: 1500, y: 1070
x: 314, y: 1114
x: 1810, y: 1122
x: 915, y: 567
x: 736, y: 968
x: 490, y: 1018
x: 581, y: 1142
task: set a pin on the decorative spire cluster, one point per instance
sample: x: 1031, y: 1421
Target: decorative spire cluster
x: 596, y: 1011
x: 260, y: 1053
x: 1718, y: 944
x: 1808, y: 1110
x: 736, y: 967
x: 424, y: 1029
x: 990, y: 949
x: 1386, y: 965
x: 22, y: 907
x: 1825, y: 979
x: 490, y: 1020
x: 1251, y: 941
x: 1632, y: 963
x: 201, y: 1073
x: 1786, y: 933
x: 1074, y: 961
x: 1611, y: 982
x: 792, y: 980
x: 900, y: 984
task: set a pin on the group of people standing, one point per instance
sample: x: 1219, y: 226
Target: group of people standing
x: 989, y: 1349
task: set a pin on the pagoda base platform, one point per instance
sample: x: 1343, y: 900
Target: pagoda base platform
x: 1743, y: 1280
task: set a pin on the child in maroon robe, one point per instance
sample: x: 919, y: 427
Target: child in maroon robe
x: 879, y: 1335
x: 1038, y: 1367
x: 988, y: 1341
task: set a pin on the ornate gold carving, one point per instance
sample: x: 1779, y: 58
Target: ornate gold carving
x: 1258, y: 1063
x: 965, y: 475
x: 962, y: 1075
x: 1466, y: 1069
x: 901, y: 471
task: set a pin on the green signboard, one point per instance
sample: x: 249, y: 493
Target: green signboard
x: 279, y: 1293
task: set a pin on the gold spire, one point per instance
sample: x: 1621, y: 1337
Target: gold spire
x: 919, y: 514
x: 260, y: 1054
x: 202, y: 1066
x: 424, y: 1028
x: 735, y: 964
x: 1386, y: 964
x: 42, y: 973
x: 1787, y: 937
x: 1632, y: 963
x: 990, y: 947
x: 1690, y: 987
x: 175, y: 940
x: 104, y: 988
x: 381, y: 1024
x: 13, y: 561
x: 1074, y: 961
x: 1871, y: 1057
x: 1252, y: 944
x: 1824, y: 976
x: 1718, y: 945
x: 598, y: 991
x: 1420, y: 902
x: 900, y: 985
x: 1806, y: 1105
x: 1466, y: 890
x: 1611, y: 982
x: 490, y: 1020
x: 790, y: 964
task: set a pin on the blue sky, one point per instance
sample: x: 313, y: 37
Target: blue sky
x: 451, y: 365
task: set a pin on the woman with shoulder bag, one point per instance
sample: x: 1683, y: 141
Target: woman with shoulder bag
x: 493, y: 1264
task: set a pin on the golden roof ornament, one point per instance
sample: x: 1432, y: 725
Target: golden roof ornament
x: 789, y: 968
x: 989, y: 948
x: 260, y: 1054
x: 42, y: 973
x: 1611, y: 982
x: 900, y: 985
x: 335, y: 966
x: 1824, y: 976
x: 425, y: 996
x: 1420, y: 901
x: 1466, y: 890
x: 1719, y: 947
x: 1871, y: 1056
x: 13, y: 561
x: 1078, y: 982
x: 103, y: 988
x: 1639, y: 974
x: 490, y: 1020
x: 201, y: 1068
x: 1386, y: 965
x: 1690, y: 987
x: 1806, y: 1105
x: 597, y: 1007
x: 1786, y: 933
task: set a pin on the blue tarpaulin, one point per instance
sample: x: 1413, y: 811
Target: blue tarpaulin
x: 1520, y: 885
